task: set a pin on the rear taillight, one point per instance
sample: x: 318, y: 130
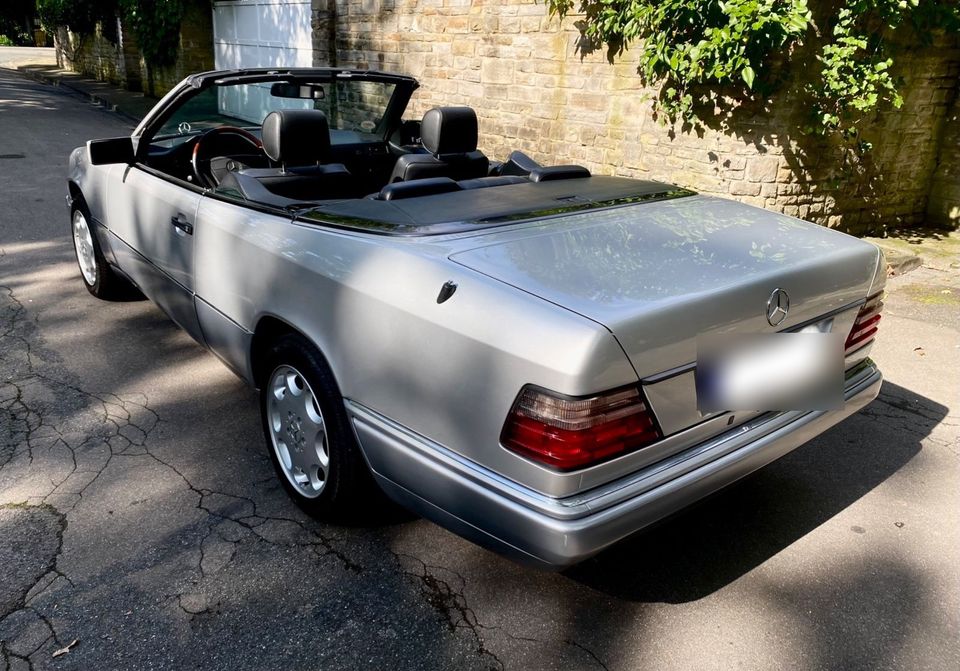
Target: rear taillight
x: 865, y: 326
x: 566, y: 433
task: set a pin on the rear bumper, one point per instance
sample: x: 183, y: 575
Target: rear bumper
x: 556, y: 532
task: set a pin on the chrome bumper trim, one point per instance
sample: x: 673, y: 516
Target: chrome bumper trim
x: 499, y: 513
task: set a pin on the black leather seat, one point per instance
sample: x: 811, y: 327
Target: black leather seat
x: 449, y: 134
x: 299, y: 140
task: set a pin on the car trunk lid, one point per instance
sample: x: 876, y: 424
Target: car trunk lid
x: 659, y: 274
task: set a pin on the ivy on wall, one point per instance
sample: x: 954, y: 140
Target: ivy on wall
x: 701, y: 52
x: 155, y: 23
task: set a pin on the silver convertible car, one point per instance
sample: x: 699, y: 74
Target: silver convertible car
x: 510, y: 349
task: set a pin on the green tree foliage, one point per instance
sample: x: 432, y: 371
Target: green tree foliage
x: 700, y: 51
x: 15, y: 22
x: 80, y: 16
x: 155, y: 23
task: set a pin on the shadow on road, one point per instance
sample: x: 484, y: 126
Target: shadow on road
x: 698, y: 551
x: 14, y: 93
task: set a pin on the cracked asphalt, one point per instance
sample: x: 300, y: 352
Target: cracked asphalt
x: 140, y: 517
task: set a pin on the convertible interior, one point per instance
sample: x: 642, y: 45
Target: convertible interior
x: 336, y: 148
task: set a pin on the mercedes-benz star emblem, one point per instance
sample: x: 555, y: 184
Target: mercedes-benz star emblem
x: 778, y: 305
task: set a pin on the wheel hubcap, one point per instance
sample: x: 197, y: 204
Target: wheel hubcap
x: 297, y: 431
x: 83, y: 242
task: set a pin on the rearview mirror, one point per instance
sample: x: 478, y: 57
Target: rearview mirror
x: 301, y: 91
x: 111, y: 150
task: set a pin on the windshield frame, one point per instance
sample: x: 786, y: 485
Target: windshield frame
x: 404, y: 87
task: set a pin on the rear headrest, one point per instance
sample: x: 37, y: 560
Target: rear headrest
x: 416, y: 188
x: 554, y: 172
x: 449, y: 130
x: 296, y: 137
x: 519, y: 163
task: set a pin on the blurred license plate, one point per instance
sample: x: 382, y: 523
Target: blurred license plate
x: 767, y: 372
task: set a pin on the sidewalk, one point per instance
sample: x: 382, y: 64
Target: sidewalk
x: 40, y: 64
x: 908, y: 249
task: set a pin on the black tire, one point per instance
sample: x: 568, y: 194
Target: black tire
x: 349, y: 491
x: 107, y: 284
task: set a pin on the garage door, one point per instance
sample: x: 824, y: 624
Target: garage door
x: 262, y: 34
x: 259, y: 34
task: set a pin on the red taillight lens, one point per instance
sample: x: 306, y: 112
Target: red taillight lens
x: 866, y: 324
x: 567, y: 433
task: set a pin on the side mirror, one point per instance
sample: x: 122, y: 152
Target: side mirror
x: 112, y: 150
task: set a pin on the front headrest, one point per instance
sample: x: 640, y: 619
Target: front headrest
x: 449, y: 130
x: 296, y: 137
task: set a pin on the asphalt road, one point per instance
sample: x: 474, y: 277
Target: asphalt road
x: 139, y: 515
x: 11, y: 57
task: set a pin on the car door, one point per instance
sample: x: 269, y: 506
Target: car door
x: 151, y: 217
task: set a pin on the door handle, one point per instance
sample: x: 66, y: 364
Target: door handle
x: 180, y: 223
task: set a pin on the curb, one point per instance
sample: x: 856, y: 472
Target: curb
x: 54, y: 80
x: 899, y: 262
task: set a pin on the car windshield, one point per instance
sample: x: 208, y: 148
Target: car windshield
x: 350, y: 105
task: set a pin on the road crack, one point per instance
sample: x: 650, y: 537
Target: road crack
x: 450, y: 602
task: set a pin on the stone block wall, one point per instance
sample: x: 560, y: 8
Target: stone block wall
x: 943, y: 208
x: 520, y: 69
x: 194, y: 53
x: 109, y: 54
x: 357, y: 105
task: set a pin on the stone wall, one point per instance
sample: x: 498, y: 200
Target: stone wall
x: 194, y: 53
x: 111, y: 53
x: 520, y: 69
x: 943, y: 209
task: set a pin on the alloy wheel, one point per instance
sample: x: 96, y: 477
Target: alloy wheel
x: 297, y: 431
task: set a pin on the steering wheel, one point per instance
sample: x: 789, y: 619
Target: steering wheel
x: 218, y: 142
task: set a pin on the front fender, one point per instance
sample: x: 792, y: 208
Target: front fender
x: 88, y: 182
